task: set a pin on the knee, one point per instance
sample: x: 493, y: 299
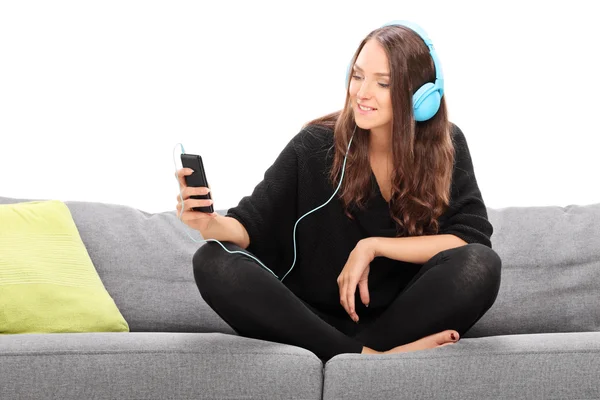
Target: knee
x: 481, y: 266
x: 209, y: 264
x: 479, y: 254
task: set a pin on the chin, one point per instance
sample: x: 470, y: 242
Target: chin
x: 368, y: 122
x: 366, y: 125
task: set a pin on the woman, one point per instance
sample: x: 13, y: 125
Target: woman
x: 400, y: 260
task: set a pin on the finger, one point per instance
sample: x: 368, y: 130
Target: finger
x: 342, y: 293
x: 181, y: 173
x: 184, y: 206
x: 181, y: 211
x: 199, y: 203
x: 180, y: 197
x: 363, y: 288
x: 191, y: 191
x: 350, y: 299
x: 199, y: 190
x: 193, y: 203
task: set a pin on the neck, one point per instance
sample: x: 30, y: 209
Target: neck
x: 380, y: 142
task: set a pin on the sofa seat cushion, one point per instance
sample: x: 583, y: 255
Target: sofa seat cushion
x: 155, y: 366
x: 533, y: 366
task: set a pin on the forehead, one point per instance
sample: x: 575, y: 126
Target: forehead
x: 372, y: 58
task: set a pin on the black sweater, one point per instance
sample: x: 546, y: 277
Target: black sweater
x: 297, y: 182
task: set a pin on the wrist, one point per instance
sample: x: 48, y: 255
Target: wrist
x: 370, y: 246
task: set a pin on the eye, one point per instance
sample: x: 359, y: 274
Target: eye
x: 384, y: 85
x: 356, y: 77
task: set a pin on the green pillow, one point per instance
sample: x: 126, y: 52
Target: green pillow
x: 48, y: 283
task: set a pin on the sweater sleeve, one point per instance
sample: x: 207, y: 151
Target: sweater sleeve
x: 269, y: 213
x: 466, y: 216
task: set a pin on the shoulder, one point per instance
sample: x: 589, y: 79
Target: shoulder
x: 457, y: 135
x: 313, y: 139
x: 459, y: 141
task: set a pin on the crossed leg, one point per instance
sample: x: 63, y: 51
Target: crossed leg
x: 464, y: 283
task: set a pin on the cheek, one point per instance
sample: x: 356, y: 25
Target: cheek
x: 353, y: 89
x: 386, y: 100
x: 385, y: 104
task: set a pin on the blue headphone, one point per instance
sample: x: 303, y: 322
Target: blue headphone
x: 427, y: 99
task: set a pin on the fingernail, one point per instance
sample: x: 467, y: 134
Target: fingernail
x: 366, y: 305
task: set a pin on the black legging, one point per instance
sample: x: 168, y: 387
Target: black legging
x: 453, y: 290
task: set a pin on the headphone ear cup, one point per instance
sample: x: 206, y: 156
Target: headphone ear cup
x: 348, y: 70
x: 426, y: 102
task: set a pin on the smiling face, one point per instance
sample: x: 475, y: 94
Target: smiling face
x: 369, y: 89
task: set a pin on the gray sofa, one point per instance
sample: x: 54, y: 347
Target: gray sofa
x: 541, y: 338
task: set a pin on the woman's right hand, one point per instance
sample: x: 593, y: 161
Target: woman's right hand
x: 194, y: 219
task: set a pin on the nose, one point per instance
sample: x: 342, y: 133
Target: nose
x: 364, y: 91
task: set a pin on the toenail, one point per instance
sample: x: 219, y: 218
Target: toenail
x: 452, y: 336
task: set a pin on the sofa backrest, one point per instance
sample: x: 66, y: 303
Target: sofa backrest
x: 550, y: 271
x: 550, y: 268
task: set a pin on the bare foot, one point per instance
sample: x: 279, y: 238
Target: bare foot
x: 440, y: 339
x: 368, y: 350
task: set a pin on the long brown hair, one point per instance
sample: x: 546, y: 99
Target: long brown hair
x: 423, y: 152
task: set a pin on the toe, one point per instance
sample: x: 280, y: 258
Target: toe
x: 453, y: 336
x: 449, y: 336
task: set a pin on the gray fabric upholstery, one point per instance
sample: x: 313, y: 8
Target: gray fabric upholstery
x: 155, y: 366
x: 534, y: 366
x: 550, y: 271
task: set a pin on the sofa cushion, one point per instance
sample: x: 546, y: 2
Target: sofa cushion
x: 536, y: 366
x: 155, y: 366
x: 47, y: 280
x: 145, y: 263
x: 550, y: 271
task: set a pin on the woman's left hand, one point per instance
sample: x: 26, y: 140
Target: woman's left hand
x: 356, y: 272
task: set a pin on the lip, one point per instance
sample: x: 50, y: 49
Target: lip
x: 363, y: 111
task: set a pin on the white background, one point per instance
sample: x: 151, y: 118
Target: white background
x: 96, y: 96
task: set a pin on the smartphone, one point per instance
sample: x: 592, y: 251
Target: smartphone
x: 196, y: 179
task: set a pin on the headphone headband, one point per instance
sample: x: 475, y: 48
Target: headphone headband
x: 439, y: 77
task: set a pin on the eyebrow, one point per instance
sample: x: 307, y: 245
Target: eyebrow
x: 377, y: 73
